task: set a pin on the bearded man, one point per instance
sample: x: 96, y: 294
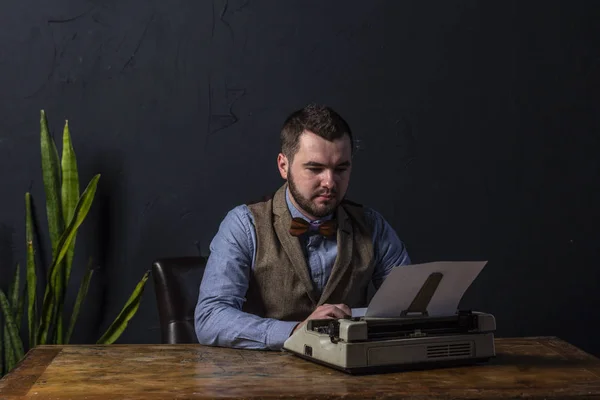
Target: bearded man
x: 306, y: 252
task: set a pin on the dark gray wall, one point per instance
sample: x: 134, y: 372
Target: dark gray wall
x: 477, y: 124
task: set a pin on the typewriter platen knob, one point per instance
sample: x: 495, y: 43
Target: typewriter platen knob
x: 333, y: 330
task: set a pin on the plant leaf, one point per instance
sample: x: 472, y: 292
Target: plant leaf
x: 57, y: 322
x: 52, y: 178
x: 13, y: 293
x: 49, y: 306
x: 83, y: 289
x: 129, y: 309
x: 31, y: 274
x: 69, y: 197
x: 9, y: 354
x: 11, y: 351
x: 14, y: 290
x: 20, y: 307
x: 13, y: 331
x: 52, y: 184
x: 69, y: 191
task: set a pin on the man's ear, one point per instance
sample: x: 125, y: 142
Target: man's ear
x: 283, y: 165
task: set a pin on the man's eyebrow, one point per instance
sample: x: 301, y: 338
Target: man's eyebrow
x: 316, y: 164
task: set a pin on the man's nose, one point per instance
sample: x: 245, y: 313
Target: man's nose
x: 328, y: 180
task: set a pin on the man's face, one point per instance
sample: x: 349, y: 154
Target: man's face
x: 319, y: 174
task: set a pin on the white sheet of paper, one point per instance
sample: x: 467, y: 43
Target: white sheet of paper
x: 404, y: 282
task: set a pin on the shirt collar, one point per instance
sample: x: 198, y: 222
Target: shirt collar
x: 297, y: 214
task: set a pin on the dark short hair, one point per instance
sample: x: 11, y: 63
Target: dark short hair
x: 318, y: 119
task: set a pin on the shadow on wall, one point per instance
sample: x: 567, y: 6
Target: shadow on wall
x: 98, y: 240
x: 7, y: 250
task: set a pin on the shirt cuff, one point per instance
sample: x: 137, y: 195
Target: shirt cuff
x: 279, y: 332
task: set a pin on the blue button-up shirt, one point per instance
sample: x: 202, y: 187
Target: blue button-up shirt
x: 219, y: 320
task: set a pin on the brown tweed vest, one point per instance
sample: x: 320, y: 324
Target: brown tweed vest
x: 280, y: 286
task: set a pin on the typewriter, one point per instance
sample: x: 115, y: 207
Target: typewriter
x: 411, y: 340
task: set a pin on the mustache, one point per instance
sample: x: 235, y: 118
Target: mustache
x: 326, y: 193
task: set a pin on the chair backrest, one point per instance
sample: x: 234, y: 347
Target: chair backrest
x: 176, y: 283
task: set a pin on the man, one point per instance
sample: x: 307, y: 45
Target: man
x: 272, y: 268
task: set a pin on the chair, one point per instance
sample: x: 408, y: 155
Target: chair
x: 176, y: 283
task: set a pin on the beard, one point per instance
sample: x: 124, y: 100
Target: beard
x: 308, y: 205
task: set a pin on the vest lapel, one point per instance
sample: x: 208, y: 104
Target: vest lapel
x: 291, y: 244
x: 345, y: 242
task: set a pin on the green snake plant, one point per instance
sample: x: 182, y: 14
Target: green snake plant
x: 66, y: 210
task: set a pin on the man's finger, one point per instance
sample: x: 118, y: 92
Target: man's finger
x: 338, y: 312
x: 344, y: 308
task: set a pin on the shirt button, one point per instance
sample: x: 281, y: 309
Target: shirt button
x: 311, y: 247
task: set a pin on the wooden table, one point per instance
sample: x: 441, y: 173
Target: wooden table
x: 526, y: 367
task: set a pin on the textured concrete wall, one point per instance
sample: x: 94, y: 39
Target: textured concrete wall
x: 477, y: 125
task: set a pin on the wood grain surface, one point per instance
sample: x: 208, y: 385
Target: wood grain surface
x: 532, y: 368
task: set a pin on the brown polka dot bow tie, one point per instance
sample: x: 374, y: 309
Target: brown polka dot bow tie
x: 300, y: 226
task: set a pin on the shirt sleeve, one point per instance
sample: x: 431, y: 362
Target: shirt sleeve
x: 219, y: 320
x: 389, y: 251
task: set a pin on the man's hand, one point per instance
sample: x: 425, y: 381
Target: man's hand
x: 327, y: 311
